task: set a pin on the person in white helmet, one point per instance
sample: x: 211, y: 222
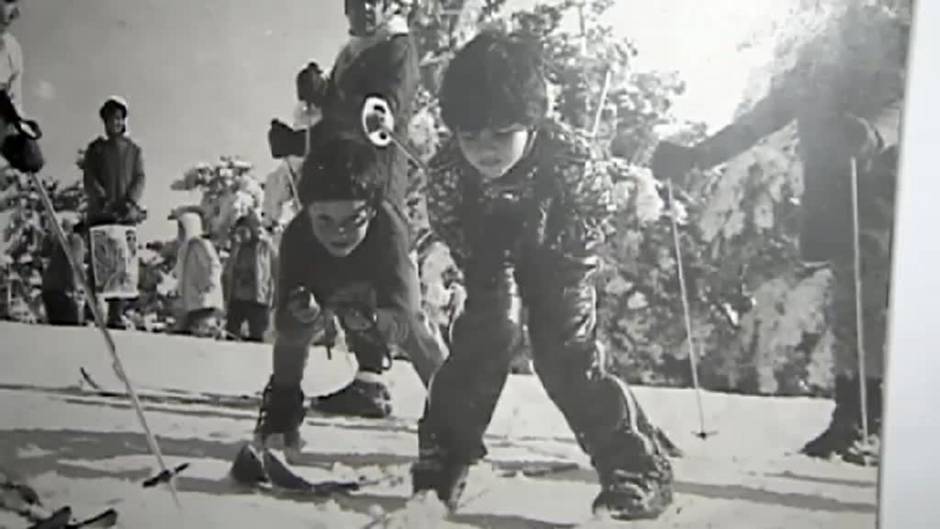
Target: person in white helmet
x: 114, y: 180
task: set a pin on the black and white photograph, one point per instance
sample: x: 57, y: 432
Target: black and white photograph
x: 447, y: 263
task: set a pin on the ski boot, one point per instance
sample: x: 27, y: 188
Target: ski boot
x: 844, y: 437
x: 636, y: 479
x: 434, y: 471
x: 282, y: 412
x: 361, y: 398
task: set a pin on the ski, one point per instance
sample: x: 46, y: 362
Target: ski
x: 62, y: 518
x: 264, y: 469
x: 57, y: 520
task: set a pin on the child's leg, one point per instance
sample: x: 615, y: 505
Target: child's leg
x: 235, y: 318
x: 258, y: 316
x: 598, y: 406
x: 465, y: 389
x: 56, y: 306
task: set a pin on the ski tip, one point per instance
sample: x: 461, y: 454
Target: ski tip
x: 108, y: 518
x: 58, y: 520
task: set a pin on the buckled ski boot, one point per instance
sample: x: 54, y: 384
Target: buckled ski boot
x: 361, y: 398
x: 636, y: 479
x: 282, y: 412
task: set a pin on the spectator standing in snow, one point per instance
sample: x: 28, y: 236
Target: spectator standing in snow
x: 380, y: 59
x: 199, y: 278
x: 114, y: 181
x: 62, y: 294
x: 249, y: 279
x: 845, y: 109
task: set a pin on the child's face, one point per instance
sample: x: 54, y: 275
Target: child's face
x: 115, y: 123
x: 243, y: 234
x: 340, y: 225
x: 494, y: 151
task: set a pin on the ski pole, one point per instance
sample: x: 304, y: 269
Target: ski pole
x: 859, y: 319
x: 600, y: 104
x: 117, y: 365
x: 702, y: 433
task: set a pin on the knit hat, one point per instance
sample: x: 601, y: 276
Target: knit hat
x: 344, y: 168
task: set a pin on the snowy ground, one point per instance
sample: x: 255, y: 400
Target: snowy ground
x: 85, y: 450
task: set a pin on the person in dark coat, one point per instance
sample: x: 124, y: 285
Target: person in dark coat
x: 114, y: 181
x: 249, y: 279
x: 846, y: 102
x: 381, y: 59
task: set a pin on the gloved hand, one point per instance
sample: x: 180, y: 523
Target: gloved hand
x: 311, y: 85
x: 390, y: 327
x: 20, y: 146
x: 128, y: 212
x: 302, y: 306
x: 284, y: 141
x: 672, y: 161
x: 862, y: 141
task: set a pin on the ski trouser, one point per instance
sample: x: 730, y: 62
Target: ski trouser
x: 292, y: 344
x: 63, y: 308
x: 560, y: 298
x: 257, y: 315
x: 828, y: 231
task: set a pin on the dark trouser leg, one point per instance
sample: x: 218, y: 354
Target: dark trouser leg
x: 282, y: 406
x: 259, y: 318
x: 291, y: 348
x: 607, y: 421
x: 562, y: 324
x: 467, y: 386
x: 116, y: 312
x: 61, y: 309
x: 235, y: 318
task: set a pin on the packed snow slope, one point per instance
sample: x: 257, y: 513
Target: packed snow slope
x: 80, y: 448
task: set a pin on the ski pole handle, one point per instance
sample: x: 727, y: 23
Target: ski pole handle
x: 376, y: 108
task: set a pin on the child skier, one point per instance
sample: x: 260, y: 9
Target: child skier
x: 345, y: 253
x: 522, y: 206
x: 379, y: 61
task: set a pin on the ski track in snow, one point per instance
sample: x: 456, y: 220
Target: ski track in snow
x: 86, y: 450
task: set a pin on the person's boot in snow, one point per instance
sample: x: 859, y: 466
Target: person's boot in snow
x: 282, y: 412
x: 844, y: 436
x: 366, y: 396
x: 434, y: 471
x: 636, y: 480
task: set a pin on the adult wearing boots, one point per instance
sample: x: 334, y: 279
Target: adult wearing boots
x: 114, y: 181
x: 845, y: 110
